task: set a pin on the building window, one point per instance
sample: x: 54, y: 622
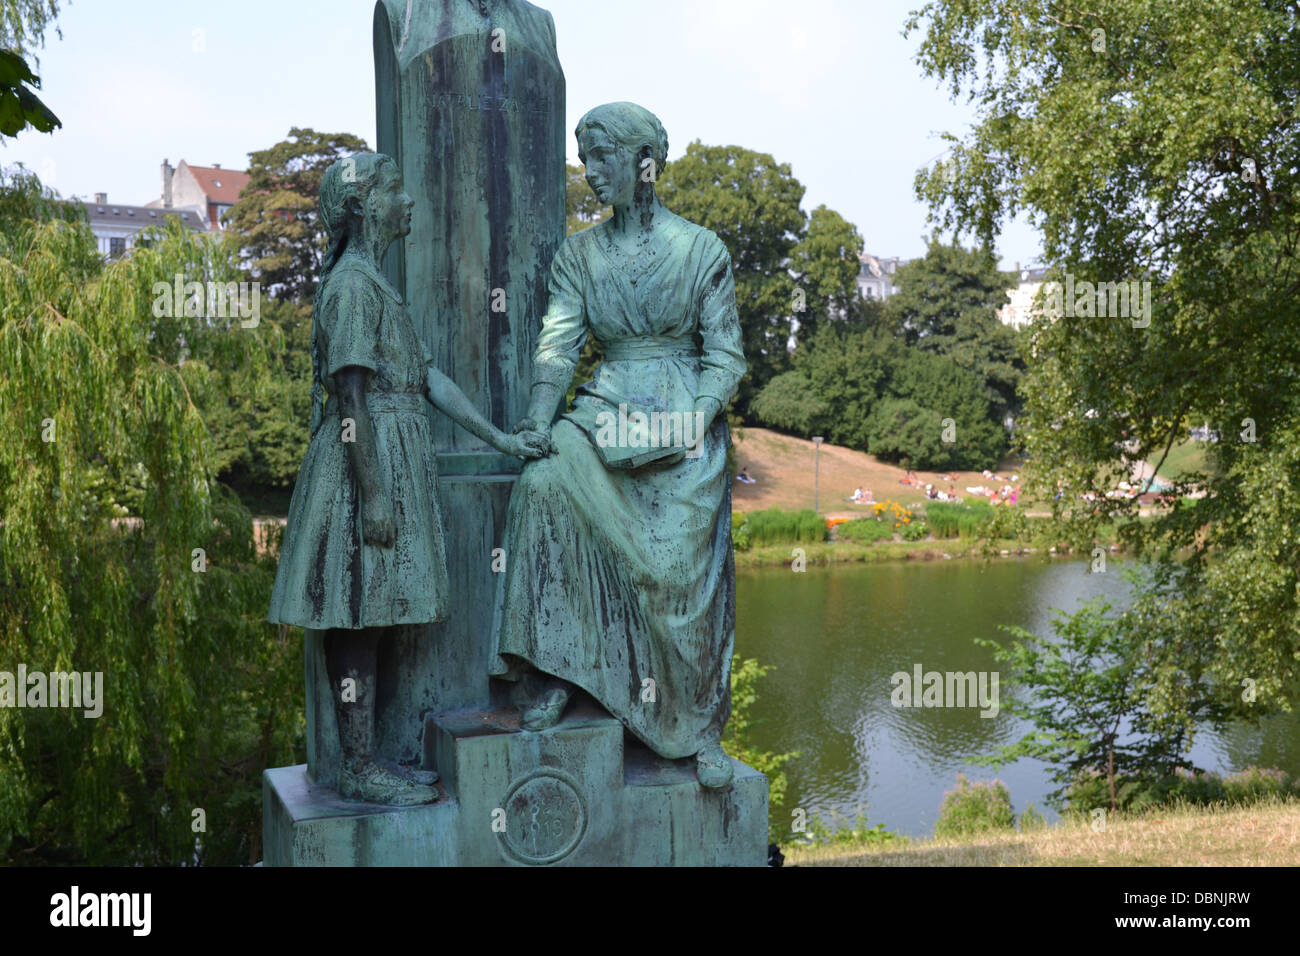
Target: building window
x: 116, y: 247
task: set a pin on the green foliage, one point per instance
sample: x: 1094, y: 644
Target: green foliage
x: 23, y: 24
x: 788, y: 403
x: 958, y: 519
x: 838, y: 831
x: 258, y: 413
x: 745, y: 675
x: 916, y: 531
x: 1246, y: 788
x: 1088, y: 697
x: 1032, y: 820
x: 19, y: 106
x: 863, y: 388
x: 847, y: 370
x: 276, y: 215
x: 752, y: 203
x: 200, y: 693
x: 775, y: 526
x: 827, y: 262
x: 740, y: 539
x: 899, y: 430
x: 865, y: 530
x: 980, y: 807
x: 946, y: 304
x: 24, y: 201
x: 1166, y: 150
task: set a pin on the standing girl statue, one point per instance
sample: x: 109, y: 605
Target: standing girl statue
x: 363, y: 549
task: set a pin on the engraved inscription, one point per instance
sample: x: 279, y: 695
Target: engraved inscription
x: 485, y: 101
x: 545, y: 818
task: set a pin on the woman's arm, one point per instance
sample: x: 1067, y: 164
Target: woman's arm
x: 377, y: 524
x: 723, y: 360
x: 564, y: 332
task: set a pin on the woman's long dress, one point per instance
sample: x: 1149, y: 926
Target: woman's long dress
x: 328, y: 576
x: 621, y: 580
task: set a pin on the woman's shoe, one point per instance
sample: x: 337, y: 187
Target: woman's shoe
x: 546, y: 710
x: 713, y: 768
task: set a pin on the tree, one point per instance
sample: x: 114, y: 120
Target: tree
x: 737, y: 742
x: 1159, y: 147
x: 947, y: 304
x: 19, y: 106
x: 22, y: 29
x: 277, y: 215
x: 1088, y: 702
x: 258, y: 413
x: 788, y: 403
x: 120, y: 555
x: 826, y: 262
x: 23, y: 24
x: 847, y: 371
x: 865, y: 389
x: 752, y: 203
x: 24, y: 199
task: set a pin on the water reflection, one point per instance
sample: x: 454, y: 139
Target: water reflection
x: 837, y: 635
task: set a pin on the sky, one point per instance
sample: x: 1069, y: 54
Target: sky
x: 830, y: 87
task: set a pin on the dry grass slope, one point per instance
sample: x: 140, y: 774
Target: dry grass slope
x: 784, y: 466
x: 1267, y: 834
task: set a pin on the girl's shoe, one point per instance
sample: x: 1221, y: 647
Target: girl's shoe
x: 374, y: 783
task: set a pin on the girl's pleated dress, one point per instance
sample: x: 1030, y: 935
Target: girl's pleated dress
x: 328, y: 576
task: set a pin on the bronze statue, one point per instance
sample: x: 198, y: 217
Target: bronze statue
x: 363, y: 549
x: 621, y: 577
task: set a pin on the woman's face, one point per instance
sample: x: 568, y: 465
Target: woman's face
x: 611, y: 169
x: 392, y: 204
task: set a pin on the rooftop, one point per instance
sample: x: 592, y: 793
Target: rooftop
x: 220, y: 185
x: 116, y: 214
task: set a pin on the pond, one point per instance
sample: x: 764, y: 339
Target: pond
x: 837, y: 634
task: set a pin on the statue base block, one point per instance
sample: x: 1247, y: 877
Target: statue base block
x: 581, y: 794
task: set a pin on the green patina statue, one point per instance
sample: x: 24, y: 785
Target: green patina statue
x: 621, y: 576
x: 364, y: 550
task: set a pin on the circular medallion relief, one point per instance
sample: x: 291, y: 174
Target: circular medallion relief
x: 545, y: 817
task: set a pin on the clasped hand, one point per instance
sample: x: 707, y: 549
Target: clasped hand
x: 530, y: 440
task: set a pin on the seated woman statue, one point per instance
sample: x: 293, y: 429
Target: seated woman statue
x: 620, y: 577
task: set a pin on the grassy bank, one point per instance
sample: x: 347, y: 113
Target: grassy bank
x: 849, y: 552
x: 1265, y: 834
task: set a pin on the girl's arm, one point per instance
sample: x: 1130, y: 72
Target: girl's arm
x: 452, y: 402
x: 377, y: 524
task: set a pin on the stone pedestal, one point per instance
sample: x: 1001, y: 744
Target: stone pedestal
x: 580, y: 794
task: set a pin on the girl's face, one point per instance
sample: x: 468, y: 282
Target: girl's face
x: 611, y: 169
x: 391, y: 204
